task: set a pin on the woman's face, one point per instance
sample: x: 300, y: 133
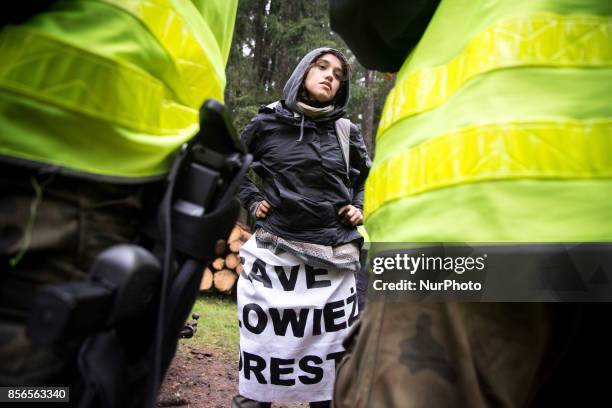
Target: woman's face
x: 323, y: 78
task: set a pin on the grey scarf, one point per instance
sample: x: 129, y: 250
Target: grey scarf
x: 311, y: 112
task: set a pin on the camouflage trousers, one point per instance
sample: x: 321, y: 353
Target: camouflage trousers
x: 51, y: 229
x: 475, y: 355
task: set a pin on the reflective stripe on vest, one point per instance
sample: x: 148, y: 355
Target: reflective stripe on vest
x: 58, y: 73
x: 175, y: 35
x: 545, y: 150
x: 540, y: 39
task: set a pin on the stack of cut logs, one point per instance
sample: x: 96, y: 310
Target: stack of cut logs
x: 221, y: 275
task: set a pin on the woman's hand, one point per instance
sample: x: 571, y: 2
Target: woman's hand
x: 350, y: 215
x: 262, y: 209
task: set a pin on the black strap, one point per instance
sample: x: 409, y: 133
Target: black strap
x: 193, y: 236
x: 165, y: 226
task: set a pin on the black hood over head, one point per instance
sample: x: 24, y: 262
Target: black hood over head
x: 296, y: 80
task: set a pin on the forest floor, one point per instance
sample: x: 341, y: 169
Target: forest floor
x: 204, y: 372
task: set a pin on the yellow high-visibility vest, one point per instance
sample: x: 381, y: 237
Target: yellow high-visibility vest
x: 499, y: 128
x: 111, y: 88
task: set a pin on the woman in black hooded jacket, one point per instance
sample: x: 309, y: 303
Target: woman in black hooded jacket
x: 299, y: 166
x: 307, y: 196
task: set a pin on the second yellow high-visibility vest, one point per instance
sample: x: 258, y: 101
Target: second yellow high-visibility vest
x: 110, y: 89
x: 499, y: 128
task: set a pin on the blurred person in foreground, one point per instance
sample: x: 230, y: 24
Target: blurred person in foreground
x: 96, y: 98
x: 506, y: 108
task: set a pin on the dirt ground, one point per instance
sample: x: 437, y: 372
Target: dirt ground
x: 203, y: 377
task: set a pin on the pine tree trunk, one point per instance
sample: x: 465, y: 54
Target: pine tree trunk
x: 368, y: 113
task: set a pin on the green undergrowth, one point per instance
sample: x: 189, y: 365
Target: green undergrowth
x: 217, y: 326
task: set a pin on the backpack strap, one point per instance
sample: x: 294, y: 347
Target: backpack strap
x: 343, y: 133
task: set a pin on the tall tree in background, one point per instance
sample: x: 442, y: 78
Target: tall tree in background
x: 271, y: 37
x: 368, y: 110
